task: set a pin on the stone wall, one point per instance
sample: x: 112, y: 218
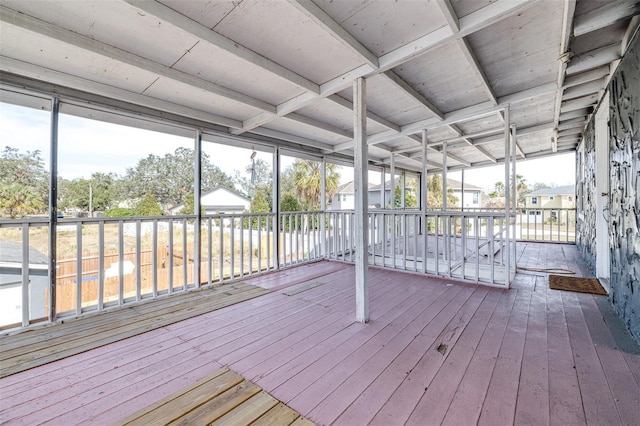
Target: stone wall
x: 624, y: 195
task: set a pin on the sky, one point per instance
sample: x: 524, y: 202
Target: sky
x: 89, y: 146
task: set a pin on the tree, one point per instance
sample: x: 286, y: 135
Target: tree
x: 521, y: 188
x: 148, y: 206
x: 189, y: 206
x: 24, y: 182
x: 434, y: 193
x: 307, y: 179
x: 170, y: 178
x: 19, y: 200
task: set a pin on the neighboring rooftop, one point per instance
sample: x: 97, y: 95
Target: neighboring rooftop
x: 11, y: 252
x: 558, y: 190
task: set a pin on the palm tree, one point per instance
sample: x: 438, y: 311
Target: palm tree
x: 307, y: 178
x: 18, y: 200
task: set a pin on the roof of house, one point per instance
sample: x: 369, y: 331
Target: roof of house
x: 456, y: 184
x: 239, y: 194
x: 11, y: 252
x: 558, y: 190
x: 348, y: 188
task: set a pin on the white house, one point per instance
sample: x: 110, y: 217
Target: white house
x: 220, y: 200
x: 472, y: 194
x: 344, y: 196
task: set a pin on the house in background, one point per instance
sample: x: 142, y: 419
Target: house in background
x: 11, y: 283
x: 550, y: 204
x: 220, y: 200
x: 344, y: 196
x: 472, y: 194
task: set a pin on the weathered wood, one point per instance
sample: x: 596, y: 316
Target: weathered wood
x: 278, y: 415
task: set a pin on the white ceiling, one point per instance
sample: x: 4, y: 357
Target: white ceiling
x: 284, y: 69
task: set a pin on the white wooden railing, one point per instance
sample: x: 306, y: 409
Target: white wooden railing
x: 105, y: 262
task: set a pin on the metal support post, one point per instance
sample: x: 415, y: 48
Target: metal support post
x: 53, y: 208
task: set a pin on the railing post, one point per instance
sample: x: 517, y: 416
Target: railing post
x: 197, y: 207
x: 53, y: 208
x: 323, y: 208
x: 276, y: 208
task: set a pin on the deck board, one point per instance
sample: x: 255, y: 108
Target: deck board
x: 528, y: 355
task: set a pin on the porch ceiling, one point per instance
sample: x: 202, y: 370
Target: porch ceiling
x: 284, y: 69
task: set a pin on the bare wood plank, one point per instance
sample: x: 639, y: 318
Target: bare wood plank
x: 213, y: 409
x: 247, y: 412
x: 224, y: 372
x: 278, y: 415
x: 302, y: 421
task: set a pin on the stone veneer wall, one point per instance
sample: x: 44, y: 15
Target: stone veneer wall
x: 624, y: 194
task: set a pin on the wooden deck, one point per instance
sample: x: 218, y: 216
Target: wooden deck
x: 223, y: 398
x: 435, y: 352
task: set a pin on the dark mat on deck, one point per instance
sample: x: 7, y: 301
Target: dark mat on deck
x: 579, y: 284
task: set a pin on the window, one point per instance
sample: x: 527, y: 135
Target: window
x: 476, y: 198
x: 551, y: 198
x: 570, y: 198
x: 344, y: 197
x: 534, y: 200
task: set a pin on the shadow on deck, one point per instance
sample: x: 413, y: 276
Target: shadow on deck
x: 435, y: 352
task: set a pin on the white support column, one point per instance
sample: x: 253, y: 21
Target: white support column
x: 323, y: 207
x: 507, y: 193
x: 392, y: 182
x: 276, y: 207
x: 382, y: 192
x: 197, y: 209
x: 403, y: 187
x: 423, y: 183
x: 361, y: 201
x: 462, y: 190
x: 444, y: 176
x: 514, y: 155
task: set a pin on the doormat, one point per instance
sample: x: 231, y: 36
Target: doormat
x: 579, y: 284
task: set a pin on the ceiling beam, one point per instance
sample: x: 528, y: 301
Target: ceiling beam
x: 477, y: 70
x: 294, y: 116
x: 604, y: 16
x: 594, y: 59
x: 179, y: 20
x: 37, y: 72
x: 564, y: 55
x: 579, y: 103
x: 406, y: 88
x: 583, y: 89
x: 320, y: 18
x: 476, y: 21
x: 449, y: 14
x: 586, y: 77
x: 46, y: 29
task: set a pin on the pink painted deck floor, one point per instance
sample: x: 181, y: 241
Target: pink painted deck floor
x: 435, y: 352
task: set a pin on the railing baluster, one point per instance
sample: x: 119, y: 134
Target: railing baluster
x: 154, y: 259
x: 26, y: 317
x: 170, y: 258
x: 138, y: 262
x: 221, y: 249
x: 100, y: 265
x: 185, y: 254
x: 78, y: 267
x: 241, y: 247
x: 259, y: 222
x: 120, y: 262
x: 232, y: 249
x: 250, y: 231
x: 209, y: 251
